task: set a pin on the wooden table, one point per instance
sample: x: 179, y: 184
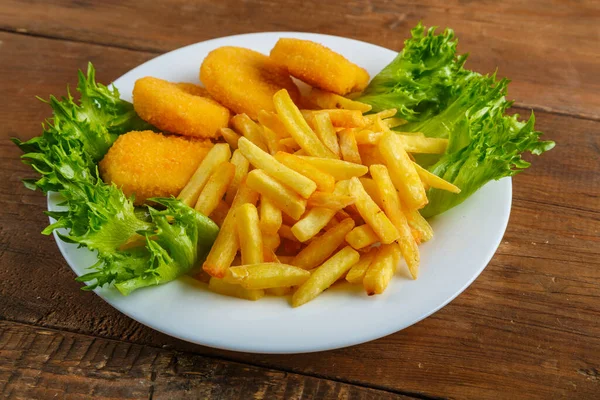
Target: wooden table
x: 528, y: 327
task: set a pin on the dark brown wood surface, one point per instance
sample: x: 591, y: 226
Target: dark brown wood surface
x: 526, y: 328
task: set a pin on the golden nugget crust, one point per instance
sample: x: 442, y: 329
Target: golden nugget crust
x: 178, y: 108
x: 319, y: 66
x: 244, y: 80
x: 148, y: 164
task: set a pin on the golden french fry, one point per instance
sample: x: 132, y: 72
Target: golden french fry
x: 435, y: 181
x: 402, y: 171
x: 271, y: 139
x: 418, y: 223
x: 269, y: 254
x: 220, y: 213
x: 215, y: 188
x: 325, y: 182
x: 368, y: 137
x: 348, y: 146
x: 270, y: 120
x: 241, y: 170
x: 233, y: 290
x: 271, y: 241
x: 326, y: 132
x: 340, y: 170
x: 285, y: 259
x: 286, y: 232
x: 358, y: 270
x: 263, y: 160
x: 372, y: 214
x: 380, y: 272
x: 325, y: 275
x: 230, y: 136
x: 292, y: 119
x: 393, y: 209
x: 322, y: 247
x: 226, y: 245
x: 371, y: 189
x: 362, y: 236
x: 382, y: 114
x: 280, y: 291
x: 270, y: 216
x: 218, y: 154
x: 394, y: 122
x: 343, y: 118
x: 268, y: 275
x: 284, y: 198
x: 249, y: 129
x: 331, y: 100
x: 290, y: 144
x: 420, y: 144
x: 329, y: 200
x: 249, y: 234
x: 332, y: 223
x: 370, y: 155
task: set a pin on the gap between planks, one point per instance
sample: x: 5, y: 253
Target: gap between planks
x: 147, y: 50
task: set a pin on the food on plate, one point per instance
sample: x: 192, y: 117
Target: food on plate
x: 292, y: 193
x: 244, y: 80
x: 146, y: 164
x: 319, y: 66
x: 179, y: 108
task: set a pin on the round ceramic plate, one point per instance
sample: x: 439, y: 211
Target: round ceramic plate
x: 465, y: 240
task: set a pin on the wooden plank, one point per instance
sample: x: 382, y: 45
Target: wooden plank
x: 528, y: 325
x: 545, y: 46
x: 38, y: 363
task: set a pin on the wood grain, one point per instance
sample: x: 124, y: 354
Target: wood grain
x: 526, y: 328
x: 548, y: 48
x: 41, y: 364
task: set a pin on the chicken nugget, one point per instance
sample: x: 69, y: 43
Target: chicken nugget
x: 244, y: 80
x: 319, y: 66
x: 178, y: 108
x: 148, y: 164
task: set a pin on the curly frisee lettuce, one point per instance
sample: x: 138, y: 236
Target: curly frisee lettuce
x: 429, y: 86
x: 100, y: 217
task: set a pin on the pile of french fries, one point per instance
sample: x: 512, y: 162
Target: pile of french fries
x: 311, y: 196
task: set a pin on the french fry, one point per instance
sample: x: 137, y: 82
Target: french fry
x: 322, y: 247
x: 325, y: 275
x: 371, y: 189
x: 249, y: 234
x: 271, y: 139
x: 326, y: 133
x: 420, y: 144
x: 370, y: 155
x: 394, y: 122
x: 368, y: 137
x: 418, y: 223
x: 292, y: 119
x: 230, y: 136
x: 358, y: 270
x: 331, y: 100
x: 332, y: 222
x: 325, y: 182
x: 226, y: 245
x: 362, y: 236
x: 263, y: 160
x: 382, y: 114
x: 300, y: 152
x: 249, y: 129
x: 284, y: 198
x: 393, y: 209
x: 286, y: 232
x: 402, y: 171
x: 270, y: 216
x: 343, y: 118
x: 435, y: 181
x: 220, y: 213
x: 329, y: 200
x: 285, y: 259
x: 215, y: 188
x: 279, y: 291
x: 340, y: 170
x: 272, y: 121
x: 269, y: 255
x: 348, y: 146
x: 372, y: 214
x: 271, y: 241
x: 232, y: 290
x: 241, y: 170
x: 289, y: 143
x: 380, y: 272
x: 268, y: 275
x: 218, y: 154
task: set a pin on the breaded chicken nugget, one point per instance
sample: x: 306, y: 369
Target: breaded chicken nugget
x: 319, y: 66
x: 244, y: 80
x: 148, y: 164
x: 178, y: 108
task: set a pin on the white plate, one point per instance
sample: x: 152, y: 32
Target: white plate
x: 465, y: 241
